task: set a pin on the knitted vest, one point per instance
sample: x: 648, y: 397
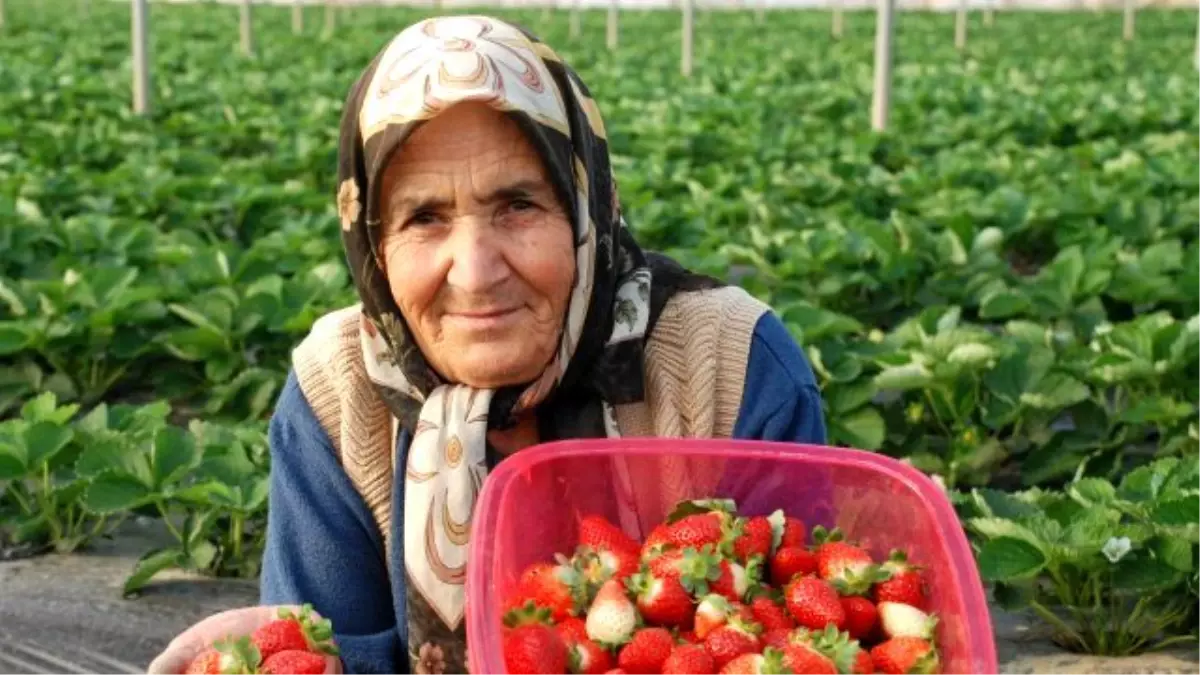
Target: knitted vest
x: 695, y: 369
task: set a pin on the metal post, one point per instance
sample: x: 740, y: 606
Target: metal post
x: 297, y: 17
x: 576, y: 29
x: 612, y: 24
x: 685, y: 58
x: 247, y: 29
x: 839, y: 21
x: 884, y: 31
x: 960, y: 26
x: 141, y: 57
x: 1127, y: 26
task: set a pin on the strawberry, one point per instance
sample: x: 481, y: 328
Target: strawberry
x: 751, y: 537
x: 294, y: 632
x: 791, y: 561
x: 656, y: 542
x: 696, y: 531
x: 861, y: 616
x: 662, y: 601
x: 904, y: 583
x: 587, y: 658
x: 800, y: 657
x: 814, y: 604
x: 557, y: 587
x: 572, y: 630
x: 848, y: 567
x: 227, y: 656
x: 777, y: 638
x: 711, y: 613
x: 770, y: 615
x: 770, y: 661
x: 616, y: 671
x: 647, y: 651
x: 905, y: 655
x: 605, y: 551
x: 295, y: 662
x: 670, y: 563
x: 689, y: 659
x: 794, y: 532
x: 730, y: 641
x: 731, y: 581
x: 534, y: 648
x: 862, y: 663
x: 612, y: 617
x: 900, y: 620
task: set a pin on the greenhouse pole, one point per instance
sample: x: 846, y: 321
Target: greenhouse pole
x: 884, y: 31
x: 839, y: 21
x: 576, y: 28
x: 685, y: 56
x: 330, y: 19
x: 141, y: 59
x: 960, y: 26
x: 612, y: 24
x: 247, y: 29
x: 760, y: 12
x: 297, y: 17
x: 1127, y: 26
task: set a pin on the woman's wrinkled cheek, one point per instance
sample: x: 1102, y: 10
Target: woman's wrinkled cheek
x: 413, y: 285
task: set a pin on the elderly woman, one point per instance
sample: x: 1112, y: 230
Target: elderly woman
x: 504, y: 303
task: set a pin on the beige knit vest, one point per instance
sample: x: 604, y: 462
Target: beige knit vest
x: 695, y: 369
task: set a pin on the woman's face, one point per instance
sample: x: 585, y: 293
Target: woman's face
x: 477, y: 248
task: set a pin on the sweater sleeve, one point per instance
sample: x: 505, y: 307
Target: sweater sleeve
x: 322, y: 546
x: 780, y: 399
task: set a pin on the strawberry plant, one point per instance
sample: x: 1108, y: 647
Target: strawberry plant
x: 1112, y: 568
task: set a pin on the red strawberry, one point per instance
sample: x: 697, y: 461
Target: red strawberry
x: 668, y: 564
x: 770, y: 615
x: 904, y: 583
x: 647, y: 651
x: 711, y: 613
x: 295, y: 662
x: 696, y: 531
x: 814, y: 604
x: 862, y: 663
x: 794, y: 532
x: 770, y: 661
x: 294, y: 632
x: 687, y: 636
x: 572, y: 630
x: 612, y: 617
x: 801, y: 657
x: 662, y: 601
x: 861, y: 616
x: 605, y: 551
x: 226, y: 656
x: 905, y: 655
x: 616, y: 671
x: 730, y: 641
x: 657, y: 542
x: 791, y: 561
x: 559, y: 588
x: 731, y: 581
x: 777, y: 638
x: 534, y: 648
x: 752, y: 537
x: 585, y: 657
x: 848, y: 567
x: 900, y: 620
x: 689, y: 659
x: 598, y: 534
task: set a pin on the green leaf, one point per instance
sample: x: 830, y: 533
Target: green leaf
x: 1054, y: 392
x: 863, y: 429
x: 201, y: 556
x: 1092, y: 491
x: 1182, y: 511
x: 903, y: 378
x: 150, y: 565
x: 1155, y: 410
x: 14, y: 337
x: 845, y: 398
x: 44, y: 440
x: 13, y: 463
x: 1088, y: 533
x: 1144, y: 575
x: 1177, y: 553
x: 1009, y: 559
x: 1004, y: 304
x: 175, y: 454
x: 1003, y: 505
x: 112, y: 492
x: 1000, y: 528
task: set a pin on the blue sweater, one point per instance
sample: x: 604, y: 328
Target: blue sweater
x: 323, y: 546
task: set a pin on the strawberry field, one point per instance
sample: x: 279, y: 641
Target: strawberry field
x: 1002, y: 289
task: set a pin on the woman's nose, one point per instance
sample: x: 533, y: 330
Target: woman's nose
x: 477, y: 257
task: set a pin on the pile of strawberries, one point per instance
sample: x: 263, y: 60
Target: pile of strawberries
x: 295, y: 644
x: 710, y: 591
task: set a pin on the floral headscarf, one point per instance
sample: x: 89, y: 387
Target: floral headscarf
x: 617, y: 295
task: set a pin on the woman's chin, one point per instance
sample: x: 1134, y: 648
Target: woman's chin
x: 496, y: 366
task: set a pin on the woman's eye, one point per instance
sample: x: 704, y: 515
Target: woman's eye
x: 521, y: 205
x: 423, y: 218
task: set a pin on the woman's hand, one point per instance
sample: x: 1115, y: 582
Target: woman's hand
x: 236, y: 622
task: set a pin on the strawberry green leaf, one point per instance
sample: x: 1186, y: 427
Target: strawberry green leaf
x: 1009, y: 559
x: 112, y: 492
x: 149, y: 565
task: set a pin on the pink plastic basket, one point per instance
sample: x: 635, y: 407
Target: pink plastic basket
x: 531, y: 503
